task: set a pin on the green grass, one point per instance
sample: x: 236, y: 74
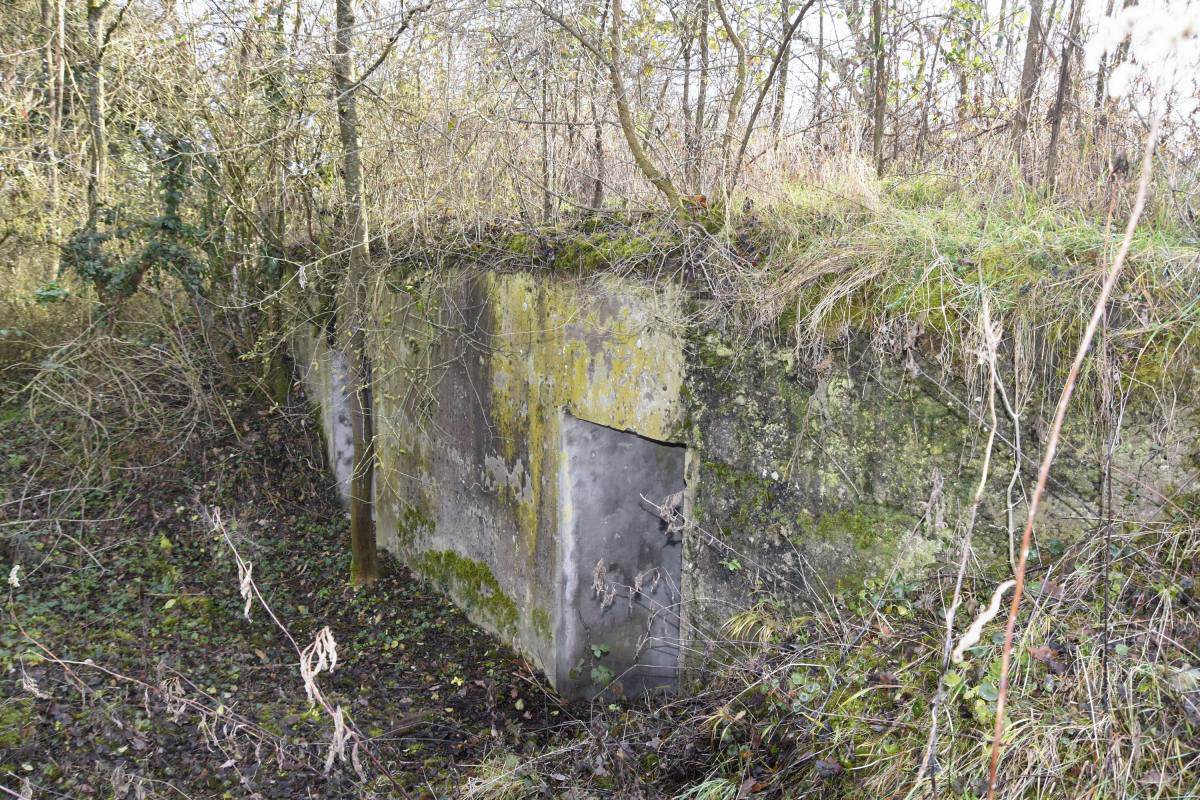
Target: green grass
x: 904, y: 264
x: 911, y: 259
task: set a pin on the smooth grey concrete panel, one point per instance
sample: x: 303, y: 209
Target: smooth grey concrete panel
x: 621, y: 567
x: 323, y: 372
x: 339, y: 431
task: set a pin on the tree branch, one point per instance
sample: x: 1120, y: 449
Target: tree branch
x: 575, y: 33
x: 766, y: 88
x: 739, y: 86
x: 108, y: 32
x: 405, y: 21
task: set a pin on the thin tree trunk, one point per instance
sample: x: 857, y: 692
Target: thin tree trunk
x: 689, y: 140
x: 53, y: 24
x: 1061, y: 97
x: 598, y: 150
x: 963, y: 104
x: 364, y: 566
x: 781, y: 85
x: 739, y: 89
x: 879, y: 101
x: 628, y: 128
x: 547, y: 200
x: 1102, y: 72
x: 1029, y: 76
x: 278, y: 369
x: 923, y: 132
x: 598, y: 136
x: 762, y: 93
x: 701, y: 96
x: 817, y: 115
x: 98, y: 150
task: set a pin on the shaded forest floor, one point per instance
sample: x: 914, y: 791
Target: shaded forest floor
x: 127, y: 666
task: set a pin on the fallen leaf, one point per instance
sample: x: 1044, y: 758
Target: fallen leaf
x: 1052, y: 589
x: 1184, y: 679
x: 1047, y: 656
x: 883, y: 679
x: 1154, y: 778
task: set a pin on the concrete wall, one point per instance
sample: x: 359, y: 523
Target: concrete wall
x: 472, y: 384
x: 520, y: 418
x: 322, y: 371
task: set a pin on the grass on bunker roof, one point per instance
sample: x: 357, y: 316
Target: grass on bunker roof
x: 897, y: 260
x: 127, y: 664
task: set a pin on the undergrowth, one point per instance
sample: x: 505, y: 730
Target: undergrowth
x: 120, y: 439
x: 129, y: 669
x: 838, y: 702
x: 910, y: 263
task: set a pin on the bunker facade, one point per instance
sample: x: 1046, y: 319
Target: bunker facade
x: 601, y: 483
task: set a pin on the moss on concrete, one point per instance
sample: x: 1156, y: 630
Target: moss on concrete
x: 412, y: 524
x: 800, y: 467
x: 473, y: 583
x: 542, y: 623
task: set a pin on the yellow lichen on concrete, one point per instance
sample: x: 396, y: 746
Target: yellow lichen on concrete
x: 500, y: 358
x: 598, y: 355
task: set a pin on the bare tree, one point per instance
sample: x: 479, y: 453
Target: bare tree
x: 739, y: 89
x: 364, y: 564
x: 1062, y: 95
x: 781, y: 81
x: 879, y: 83
x: 1029, y: 74
x: 98, y: 149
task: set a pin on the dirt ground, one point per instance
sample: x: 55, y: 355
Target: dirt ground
x: 128, y: 667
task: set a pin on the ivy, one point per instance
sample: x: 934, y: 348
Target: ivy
x: 115, y: 251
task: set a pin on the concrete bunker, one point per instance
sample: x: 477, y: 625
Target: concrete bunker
x: 622, y: 562
x: 488, y: 487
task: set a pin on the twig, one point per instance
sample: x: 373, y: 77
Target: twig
x: 991, y: 343
x: 405, y: 21
x: 322, y: 650
x: 1060, y: 414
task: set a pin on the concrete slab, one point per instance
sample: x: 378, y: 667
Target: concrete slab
x: 621, y: 567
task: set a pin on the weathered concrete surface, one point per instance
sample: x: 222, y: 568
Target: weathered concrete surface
x: 799, y: 481
x: 323, y: 373
x: 813, y: 483
x: 621, y: 561
x: 471, y: 384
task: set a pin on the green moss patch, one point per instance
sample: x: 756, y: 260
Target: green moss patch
x: 472, y: 583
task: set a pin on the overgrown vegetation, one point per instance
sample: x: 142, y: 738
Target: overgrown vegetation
x: 838, y: 702
x: 173, y: 175
x: 128, y: 666
x: 904, y: 263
